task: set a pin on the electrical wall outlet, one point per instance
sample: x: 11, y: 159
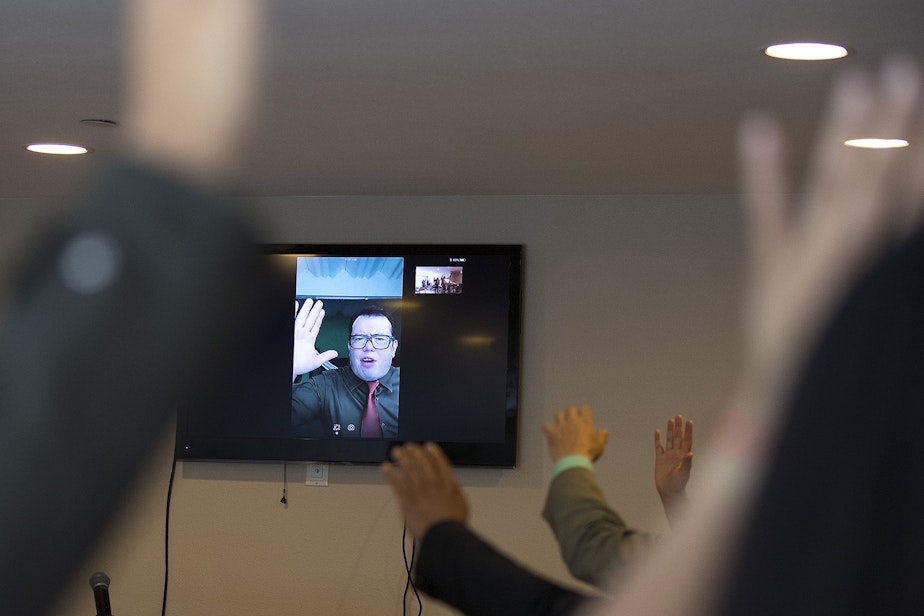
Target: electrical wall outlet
x: 316, y: 475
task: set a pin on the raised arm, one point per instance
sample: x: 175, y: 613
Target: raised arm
x: 455, y: 565
x: 592, y: 537
x: 856, y: 206
x: 191, y: 73
x: 673, y: 463
x: 175, y: 302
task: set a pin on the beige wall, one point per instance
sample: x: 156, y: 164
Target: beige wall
x: 630, y: 305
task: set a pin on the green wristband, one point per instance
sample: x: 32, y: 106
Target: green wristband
x: 575, y: 461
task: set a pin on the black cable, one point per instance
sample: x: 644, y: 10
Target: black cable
x: 163, y: 607
x: 409, y: 566
x: 285, y: 484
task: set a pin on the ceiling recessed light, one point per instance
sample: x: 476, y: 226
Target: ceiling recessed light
x: 64, y: 149
x: 876, y: 144
x: 806, y: 51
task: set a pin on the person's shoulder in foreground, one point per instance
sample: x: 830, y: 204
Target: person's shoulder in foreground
x: 133, y: 302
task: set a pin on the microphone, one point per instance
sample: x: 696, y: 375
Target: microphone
x: 99, y: 582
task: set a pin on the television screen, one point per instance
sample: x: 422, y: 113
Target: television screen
x: 366, y: 346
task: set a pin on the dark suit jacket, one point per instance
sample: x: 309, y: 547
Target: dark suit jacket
x: 458, y: 568
x: 836, y: 528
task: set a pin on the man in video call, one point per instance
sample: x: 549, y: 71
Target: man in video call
x: 359, y: 402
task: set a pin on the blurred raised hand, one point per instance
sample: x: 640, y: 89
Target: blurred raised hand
x: 191, y: 72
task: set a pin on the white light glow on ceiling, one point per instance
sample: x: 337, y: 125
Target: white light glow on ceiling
x: 64, y: 149
x: 876, y: 144
x: 806, y: 51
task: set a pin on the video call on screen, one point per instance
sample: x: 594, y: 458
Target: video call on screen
x: 452, y: 320
x: 451, y: 316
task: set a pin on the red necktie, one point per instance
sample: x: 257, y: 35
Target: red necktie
x: 371, y: 426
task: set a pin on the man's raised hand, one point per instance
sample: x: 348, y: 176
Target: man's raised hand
x: 305, y: 356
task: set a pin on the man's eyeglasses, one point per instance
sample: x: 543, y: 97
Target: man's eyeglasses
x: 379, y: 341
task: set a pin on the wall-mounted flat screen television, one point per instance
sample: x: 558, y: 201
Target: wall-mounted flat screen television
x: 368, y: 346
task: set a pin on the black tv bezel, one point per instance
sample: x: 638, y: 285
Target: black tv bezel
x: 348, y: 451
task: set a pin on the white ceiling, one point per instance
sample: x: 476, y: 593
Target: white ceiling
x: 438, y: 97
